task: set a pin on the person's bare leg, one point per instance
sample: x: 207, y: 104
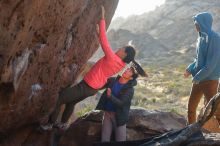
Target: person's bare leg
x: 106, y: 127
x: 120, y: 133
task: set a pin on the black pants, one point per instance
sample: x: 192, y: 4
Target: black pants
x: 70, y: 96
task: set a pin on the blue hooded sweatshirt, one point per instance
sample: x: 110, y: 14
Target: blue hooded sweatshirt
x: 206, y: 66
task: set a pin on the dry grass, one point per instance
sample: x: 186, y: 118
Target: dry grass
x: 165, y: 89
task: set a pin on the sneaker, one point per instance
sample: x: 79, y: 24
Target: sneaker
x: 48, y: 126
x: 62, y: 126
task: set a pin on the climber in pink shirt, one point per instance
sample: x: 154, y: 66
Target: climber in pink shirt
x: 95, y: 79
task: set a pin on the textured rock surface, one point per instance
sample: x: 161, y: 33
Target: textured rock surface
x: 44, y: 45
x: 142, y: 124
x: 86, y: 130
x: 27, y: 136
x: 198, y: 139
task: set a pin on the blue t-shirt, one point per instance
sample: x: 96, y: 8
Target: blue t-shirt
x: 116, y: 88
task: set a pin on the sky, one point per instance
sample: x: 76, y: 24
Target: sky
x: 130, y: 7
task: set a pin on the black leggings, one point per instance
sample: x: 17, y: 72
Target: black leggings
x: 70, y: 96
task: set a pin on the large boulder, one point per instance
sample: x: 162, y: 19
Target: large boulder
x: 142, y: 127
x: 142, y: 124
x: 42, y: 49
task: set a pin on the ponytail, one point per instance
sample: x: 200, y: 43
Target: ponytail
x: 139, y: 69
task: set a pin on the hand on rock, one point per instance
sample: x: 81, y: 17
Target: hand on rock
x: 103, y: 12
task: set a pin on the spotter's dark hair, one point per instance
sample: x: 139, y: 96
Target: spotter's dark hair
x: 138, y: 69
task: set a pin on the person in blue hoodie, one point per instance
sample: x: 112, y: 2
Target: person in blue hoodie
x: 205, y: 69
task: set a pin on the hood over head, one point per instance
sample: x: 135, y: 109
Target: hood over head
x: 204, y: 20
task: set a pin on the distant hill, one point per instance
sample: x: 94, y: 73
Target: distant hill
x: 165, y: 35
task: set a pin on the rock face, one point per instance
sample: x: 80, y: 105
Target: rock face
x: 142, y: 124
x: 42, y: 49
x: 141, y: 127
x: 87, y: 129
